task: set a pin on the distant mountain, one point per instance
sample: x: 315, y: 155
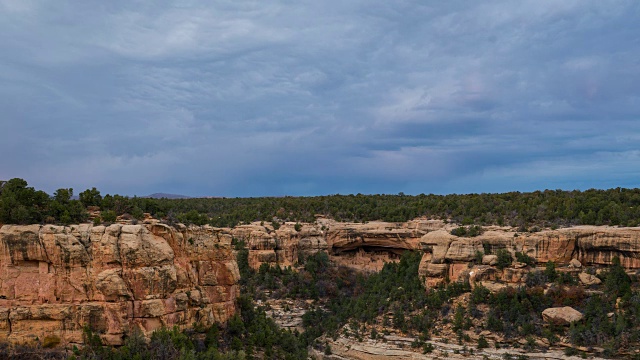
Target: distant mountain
x: 168, y: 196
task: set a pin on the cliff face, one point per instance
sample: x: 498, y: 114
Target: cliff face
x: 281, y: 246
x: 448, y: 255
x: 362, y: 246
x: 368, y: 246
x: 55, y: 279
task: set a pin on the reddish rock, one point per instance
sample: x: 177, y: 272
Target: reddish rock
x: 54, y: 280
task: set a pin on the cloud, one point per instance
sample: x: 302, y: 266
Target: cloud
x: 280, y: 98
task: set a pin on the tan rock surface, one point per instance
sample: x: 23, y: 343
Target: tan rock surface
x: 57, y: 279
x: 575, y: 263
x: 588, y: 279
x: 562, y: 315
x: 489, y: 259
x: 349, y: 236
x: 576, y: 246
x: 463, y: 250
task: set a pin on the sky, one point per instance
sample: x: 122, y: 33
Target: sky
x: 271, y: 98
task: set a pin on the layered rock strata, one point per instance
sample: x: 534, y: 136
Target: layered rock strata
x: 282, y: 246
x: 368, y: 246
x: 448, y: 256
x: 54, y: 280
x: 362, y: 246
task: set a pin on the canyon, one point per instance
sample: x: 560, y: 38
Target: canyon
x: 55, y: 280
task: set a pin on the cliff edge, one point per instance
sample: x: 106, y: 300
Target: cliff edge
x: 54, y: 280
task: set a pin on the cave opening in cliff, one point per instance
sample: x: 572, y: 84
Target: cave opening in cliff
x: 392, y: 254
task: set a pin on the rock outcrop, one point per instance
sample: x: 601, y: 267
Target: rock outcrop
x: 279, y: 247
x: 368, y: 246
x: 54, y: 280
x: 561, y: 315
x: 362, y: 246
x: 575, y: 247
x: 588, y: 279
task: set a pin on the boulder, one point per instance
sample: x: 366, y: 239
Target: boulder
x: 437, y: 243
x: 561, y: 315
x: 588, y: 279
x: 575, y: 263
x: 490, y: 260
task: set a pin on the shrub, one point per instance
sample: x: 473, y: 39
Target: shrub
x: 471, y: 231
x: 551, y: 337
x: 275, y: 224
x: 487, y: 248
x: 570, y: 351
x: 616, y: 280
x: 459, y: 231
x: 482, y: 342
x: 109, y: 216
x: 566, y: 279
x: 536, y: 278
x: 474, y: 231
x: 550, y: 271
x: 526, y: 259
x: 504, y: 259
x: 478, y: 257
x: 531, y: 343
x: 480, y: 294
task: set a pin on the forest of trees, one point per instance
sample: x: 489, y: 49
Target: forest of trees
x: 22, y: 204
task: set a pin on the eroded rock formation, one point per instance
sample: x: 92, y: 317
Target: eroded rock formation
x: 56, y: 279
x: 368, y: 246
x: 363, y: 246
x: 449, y: 256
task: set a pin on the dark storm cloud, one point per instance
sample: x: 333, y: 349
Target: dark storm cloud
x: 274, y: 98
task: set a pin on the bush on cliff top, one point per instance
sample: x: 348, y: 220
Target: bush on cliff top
x: 22, y: 204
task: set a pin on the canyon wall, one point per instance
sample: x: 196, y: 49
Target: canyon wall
x: 54, y: 280
x: 362, y: 246
x: 368, y: 246
x: 449, y: 256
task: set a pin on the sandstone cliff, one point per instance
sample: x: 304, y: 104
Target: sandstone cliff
x: 449, y: 256
x: 363, y: 246
x: 54, y: 280
x: 368, y: 246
